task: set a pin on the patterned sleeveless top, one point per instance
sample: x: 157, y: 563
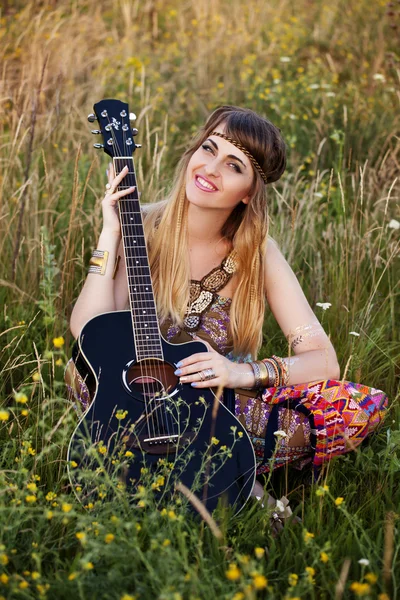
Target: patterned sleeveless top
x: 208, y: 312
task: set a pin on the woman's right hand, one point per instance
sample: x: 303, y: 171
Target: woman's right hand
x: 110, y: 201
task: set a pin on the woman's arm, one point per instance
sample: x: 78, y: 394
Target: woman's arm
x: 312, y: 355
x: 97, y: 295
x: 101, y: 293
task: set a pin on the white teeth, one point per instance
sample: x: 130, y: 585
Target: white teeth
x: 205, y: 183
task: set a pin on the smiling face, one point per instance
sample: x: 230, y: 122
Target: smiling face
x: 219, y: 175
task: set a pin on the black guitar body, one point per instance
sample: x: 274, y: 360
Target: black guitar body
x: 163, y: 420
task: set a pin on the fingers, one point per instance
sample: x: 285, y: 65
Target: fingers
x: 187, y: 363
x: 191, y: 373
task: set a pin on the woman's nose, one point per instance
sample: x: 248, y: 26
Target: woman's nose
x: 212, y: 168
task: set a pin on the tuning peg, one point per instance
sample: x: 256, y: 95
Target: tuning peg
x: 98, y: 146
x: 91, y: 118
x: 135, y: 131
x: 132, y: 117
x: 96, y: 131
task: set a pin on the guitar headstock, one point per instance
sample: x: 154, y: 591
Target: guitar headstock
x: 114, y: 120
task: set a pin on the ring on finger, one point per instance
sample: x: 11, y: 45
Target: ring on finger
x: 209, y: 374
x: 202, y: 375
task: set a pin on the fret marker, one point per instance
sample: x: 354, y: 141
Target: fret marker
x: 145, y: 324
x: 134, y: 289
x: 134, y: 241
x: 144, y: 312
x: 131, y: 218
x: 147, y: 289
x: 137, y: 262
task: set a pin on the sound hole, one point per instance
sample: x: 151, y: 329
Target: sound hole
x: 150, y: 378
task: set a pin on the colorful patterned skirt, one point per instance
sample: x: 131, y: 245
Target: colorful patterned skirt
x: 335, y: 416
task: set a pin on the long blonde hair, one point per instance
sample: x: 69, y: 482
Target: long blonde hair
x: 246, y: 229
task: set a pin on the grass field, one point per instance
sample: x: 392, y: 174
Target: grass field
x: 326, y: 73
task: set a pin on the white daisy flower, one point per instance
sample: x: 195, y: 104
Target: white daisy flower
x: 364, y: 562
x: 285, y: 59
x: 324, y: 305
x: 378, y: 77
x: 393, y: 224
x: 280, y: 433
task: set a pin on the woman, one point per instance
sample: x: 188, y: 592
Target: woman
x: 213, y: 268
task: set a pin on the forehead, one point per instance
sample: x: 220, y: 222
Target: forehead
x: 227, y: 147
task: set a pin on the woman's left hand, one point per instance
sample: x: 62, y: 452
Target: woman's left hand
x: 211, y: 369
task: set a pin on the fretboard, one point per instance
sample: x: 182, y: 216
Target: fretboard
x: 147, y: 338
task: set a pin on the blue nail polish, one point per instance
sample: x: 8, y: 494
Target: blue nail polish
x: 177, y: 372
x: 194, y: 384
x: 179, y: 364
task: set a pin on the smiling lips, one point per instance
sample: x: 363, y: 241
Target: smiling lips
x: 204, y: 184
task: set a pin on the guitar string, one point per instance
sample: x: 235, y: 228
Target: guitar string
x: 159, y: 365
x: 138, y: 297
x: 148, y: 382
x: 118, y: 153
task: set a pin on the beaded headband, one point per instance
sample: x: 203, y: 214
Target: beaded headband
x: 245, y: 151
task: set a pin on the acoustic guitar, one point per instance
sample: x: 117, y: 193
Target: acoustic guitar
x: 139, y: 408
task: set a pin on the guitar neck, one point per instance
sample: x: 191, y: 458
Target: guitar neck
x: 147, y: 337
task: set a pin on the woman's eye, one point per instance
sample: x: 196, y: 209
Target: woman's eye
x: 207, y: 147
x: 236, y: 167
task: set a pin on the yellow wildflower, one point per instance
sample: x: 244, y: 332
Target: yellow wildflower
x: 371, y: 578
x: 59, y: 362
x: 172, y: 515
x: 66, y: 507
x: 240, y: 434
x: 31, y: 451
x: 73, y: 464
x: 35, y: 575
x: 138, y: 527
x: 238, y: 596
x: 307, y: 535
x: 260, y: 582
x: 360, y: 589
x: 3, y: 559
x: 128, y: 453
x: 30, y: 499
x: 121, y: 414
x: 43, y: 588
x: 233, y: 573
x: 21, y: 398
x: 293, y: 579
x: 110, y: 537
x: 32, y: 487
x: 72, y: 575
x: 51, y: 496
x: 24, y: 412
x: 23, y: 585
x: 36, y: 376
x: 58, y: 342
x: 88, y: 566
x: 310, y: 574
x: 339, y: 501
x: 102, y: 449
x: 383, y: 597
x: 324, y: 557
x: 128, y: 597
x: 259, y: 552
x: 81, y: 536
x: 4, y: 415
x: 49, y: 515
x: 4, y: 578
x: 214, y: 441
x: 166, y: 542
